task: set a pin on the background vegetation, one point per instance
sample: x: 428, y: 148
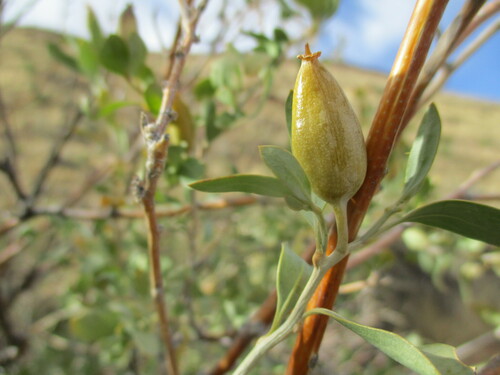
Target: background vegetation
x: 74, y: 294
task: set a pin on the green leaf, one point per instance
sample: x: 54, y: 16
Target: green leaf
x: 227, y: 96
x: 111, y: 108
x: 128, y: 22
x: 227, y: 71
x: 292, y: 275
x: 192, y: 168
x: 445, y: 358
x: 284, y: 166
x: 469, y: 219
x: 211, y: 128
x: 93, y: 325
x: 296, y: 205
x: 422, y: 153
x: 320, y: 9
x: 216, y: 124
x: 146, y: 342
x: 94, y: 28
x: 288, y: 112
x: 145, y: 75
x: 88, y: 58
x: 280, y: 35
x: 243, y: 183
x: 396, y: 347
x: 57, y: 53
x: 153, y: 96
x: 138, y: 53
x: 204, y: 89
x: 115, y: 55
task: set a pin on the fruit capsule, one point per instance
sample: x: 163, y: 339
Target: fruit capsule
x: 326, y: 135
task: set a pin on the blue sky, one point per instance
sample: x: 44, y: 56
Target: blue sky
x: 366, y: 33
x: 372, y: 31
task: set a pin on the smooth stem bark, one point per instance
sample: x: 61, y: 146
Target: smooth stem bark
x: 324, y: 263
x: 383, y: 135
x: 157, y: 290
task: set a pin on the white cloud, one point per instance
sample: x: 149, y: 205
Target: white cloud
x: 70, y: 16
x: 157, y: 19
x: 372, y: 32
x: 383, y: 22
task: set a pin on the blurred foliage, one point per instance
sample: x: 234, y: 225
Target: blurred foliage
x: 78, y: 291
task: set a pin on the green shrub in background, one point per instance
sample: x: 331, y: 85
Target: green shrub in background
x: 75, y: 267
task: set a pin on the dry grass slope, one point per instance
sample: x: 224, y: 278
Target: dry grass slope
x: 36, y: 88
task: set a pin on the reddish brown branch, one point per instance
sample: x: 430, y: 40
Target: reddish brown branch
x: 447, y: 69
x: 383, y: 134
x: 264, y: 316
x: 492, y: 367
x: 157, y: 290
x: 445, y: 46
x: 480, y: 348
x: 267, y: 310
x: 77, y: 213
x: 255, y: 327
x: 487, y: 11
x: 157, y: 148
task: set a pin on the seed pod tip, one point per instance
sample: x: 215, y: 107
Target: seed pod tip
x: 308, y: 55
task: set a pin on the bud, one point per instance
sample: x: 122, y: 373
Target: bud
x: 183, y: 127
x: 326, y: 135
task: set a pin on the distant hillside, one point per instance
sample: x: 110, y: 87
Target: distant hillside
x: 34, y: 86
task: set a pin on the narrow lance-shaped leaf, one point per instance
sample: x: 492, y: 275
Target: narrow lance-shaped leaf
x: 138, y: 53
x: 57, y: 53
x: 94, y: 28
x: 445, y: 358
x: 88, y: 58
x: 288, y: 112
x: 292, y: 275
x: 422, y: 153
x: 128, y: 22
x: 243, y: 183
x: 115, y: 55
x: 396, y: 347
x: 284, y: 166
x: 153, y: 96
x: 469, y: 219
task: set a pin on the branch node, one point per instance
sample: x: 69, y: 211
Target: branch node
x: 138, y: 188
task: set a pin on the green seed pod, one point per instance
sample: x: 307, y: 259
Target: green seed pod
x: 326, y: 135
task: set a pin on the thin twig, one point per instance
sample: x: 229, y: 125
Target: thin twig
x: 7, y: 130
x: 474, y: 178
x: 8, y: 225
x: 104, y: 170
x: 80, y: 213
x: 13, y: 338
x: 171, y: 54
x: 480, y: 348
x: 12, y: 24
x: 12, y: 175
x: 54, y: 156
x: 10, y: 252
x: 157, y: 148
x: 492, y: 367
x: 447, y: 69
x: 487, y: 11
x: 445, y: 46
